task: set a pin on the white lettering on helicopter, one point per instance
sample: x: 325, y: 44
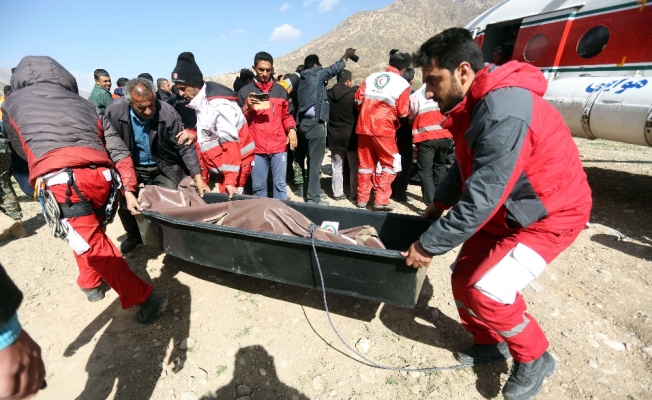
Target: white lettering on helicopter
x: 619, y: 86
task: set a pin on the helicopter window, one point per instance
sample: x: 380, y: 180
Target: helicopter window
x: 593, y: 42
x: 535, y: 47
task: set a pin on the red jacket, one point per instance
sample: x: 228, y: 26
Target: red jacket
x: 383, y: 98
x: 426, y: 118
x: 268, y: 128
x: 516, y: 162
x: 52, y: 127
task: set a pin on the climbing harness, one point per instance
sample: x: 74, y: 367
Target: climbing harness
x: 311, y: 231
x: 56, y: 214
x: 113, y: 202
x: 51, y: 210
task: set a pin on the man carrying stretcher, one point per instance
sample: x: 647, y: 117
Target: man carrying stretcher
x: 517, y: 197
x: 79, y: 165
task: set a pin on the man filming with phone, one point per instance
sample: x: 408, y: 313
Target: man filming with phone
x: 265, y: 106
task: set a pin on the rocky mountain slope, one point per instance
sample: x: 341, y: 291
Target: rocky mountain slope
x: 403, y: 25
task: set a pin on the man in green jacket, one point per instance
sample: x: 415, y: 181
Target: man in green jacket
x: 101, y: 95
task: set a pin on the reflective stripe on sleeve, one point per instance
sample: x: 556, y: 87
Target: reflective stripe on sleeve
x: 365, y: 171
x: 426, y: 129
x: 209, y: 145
x: 247, y: 148
x: 428, y: 108
x: 230, y: 168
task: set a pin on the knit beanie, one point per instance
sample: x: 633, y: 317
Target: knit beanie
x: 187, y: 72
x: 399, y: 60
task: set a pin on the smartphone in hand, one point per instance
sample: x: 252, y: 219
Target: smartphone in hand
x: 261, y: 96
x: 263, y: 101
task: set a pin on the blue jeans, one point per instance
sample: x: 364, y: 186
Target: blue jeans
x: 262, y: 164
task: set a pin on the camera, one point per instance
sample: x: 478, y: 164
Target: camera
x: 354, y: 58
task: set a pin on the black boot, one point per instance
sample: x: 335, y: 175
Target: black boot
x: 526, y: 379
x: 385, y: 207
x: 129, y: 244
x: 96, y: 294
x: 482, y: 353
x: 151, y: 308
x: 93, y: 295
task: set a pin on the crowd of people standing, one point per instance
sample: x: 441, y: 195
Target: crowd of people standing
x: 293, y: 119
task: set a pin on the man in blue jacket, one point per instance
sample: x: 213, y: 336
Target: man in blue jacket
x: 312, y: 115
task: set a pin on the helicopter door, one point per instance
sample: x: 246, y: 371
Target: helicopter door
x: 499, y: 40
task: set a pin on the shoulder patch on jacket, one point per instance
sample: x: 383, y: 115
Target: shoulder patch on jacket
x: 385, y: 86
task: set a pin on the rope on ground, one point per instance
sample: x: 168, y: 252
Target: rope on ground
x: 369, y: 362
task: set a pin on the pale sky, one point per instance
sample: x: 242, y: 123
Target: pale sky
x: 130, y: 37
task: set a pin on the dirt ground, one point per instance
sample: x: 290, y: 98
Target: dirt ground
x: 227, y: 336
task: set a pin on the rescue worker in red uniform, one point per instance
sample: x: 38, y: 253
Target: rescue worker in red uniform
x: 431, y: 140
x: 382, y: 99
x: 225, y: 148
x: 73, y: 154
x: 517, y: 197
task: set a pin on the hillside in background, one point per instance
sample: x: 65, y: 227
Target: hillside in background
x: 5, y: 76
x: 403, y: 25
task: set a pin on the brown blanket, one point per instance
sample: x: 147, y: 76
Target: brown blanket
x: 261, y: 215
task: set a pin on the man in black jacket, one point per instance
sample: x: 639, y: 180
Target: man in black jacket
x: 312, y: 114
x: 342, y: 140
x: 149, y: 128
x: 188, y: 115
x: 164, y: 91
x: 21, y: 367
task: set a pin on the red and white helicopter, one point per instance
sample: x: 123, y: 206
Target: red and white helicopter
x: 596, y: 55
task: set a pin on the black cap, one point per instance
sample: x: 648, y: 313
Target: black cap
x: 187, y: 72
x: 399, y: 60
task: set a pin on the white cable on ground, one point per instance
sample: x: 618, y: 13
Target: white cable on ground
x: 368, y: 362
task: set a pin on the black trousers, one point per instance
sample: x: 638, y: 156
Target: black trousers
x: 312, y: 144
x: 404, y: 145
x: 147, y: 176
x: 450, y: 159
x: 431, y: 160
